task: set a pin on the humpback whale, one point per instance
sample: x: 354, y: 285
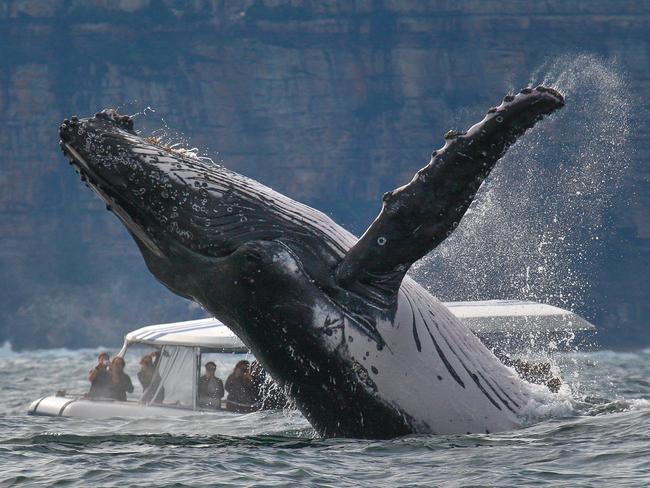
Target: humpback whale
x: 362, y: 348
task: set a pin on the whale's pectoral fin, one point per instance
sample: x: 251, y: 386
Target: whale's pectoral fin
x: 415, y: 218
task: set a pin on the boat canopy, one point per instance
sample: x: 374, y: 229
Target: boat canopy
x: 501, y: 316
x: 482, y: 317
x: 208, y: 334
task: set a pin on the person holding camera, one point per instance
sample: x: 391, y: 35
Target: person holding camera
x: 100, y: 377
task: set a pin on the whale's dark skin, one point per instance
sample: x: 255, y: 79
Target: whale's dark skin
x: 294, y: 286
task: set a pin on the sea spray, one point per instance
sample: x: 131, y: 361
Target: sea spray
x: 535, y: 229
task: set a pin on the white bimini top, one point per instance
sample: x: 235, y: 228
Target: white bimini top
x: 502, y: 316
x: 205, y: 333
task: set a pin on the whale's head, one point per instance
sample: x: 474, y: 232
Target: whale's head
x: 179, y: 208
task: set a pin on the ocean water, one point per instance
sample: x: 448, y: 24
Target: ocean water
x: 596, y: 432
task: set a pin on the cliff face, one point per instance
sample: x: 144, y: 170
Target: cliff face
x: 331, y: 102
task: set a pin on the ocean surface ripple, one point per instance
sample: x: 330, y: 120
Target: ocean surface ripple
x: 595, y: 433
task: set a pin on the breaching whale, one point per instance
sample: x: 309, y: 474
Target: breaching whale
x: 362, y: 348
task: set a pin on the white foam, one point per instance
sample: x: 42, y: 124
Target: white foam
x: 6, y: 350
x: 639, y: 404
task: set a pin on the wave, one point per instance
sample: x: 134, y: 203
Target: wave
x: 80, y: 441
x: 7, y: 350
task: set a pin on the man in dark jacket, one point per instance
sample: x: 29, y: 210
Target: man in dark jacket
x: 210, y: 388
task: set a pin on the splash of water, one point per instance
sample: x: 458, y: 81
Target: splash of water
x: 535, y: 228
x: 163, y: 135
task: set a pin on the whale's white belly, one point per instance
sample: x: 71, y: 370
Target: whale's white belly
x: 438, y: 372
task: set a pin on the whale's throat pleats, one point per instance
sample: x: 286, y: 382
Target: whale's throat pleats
x: 418, y: 216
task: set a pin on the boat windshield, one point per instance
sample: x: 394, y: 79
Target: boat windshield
x: 173, y: 382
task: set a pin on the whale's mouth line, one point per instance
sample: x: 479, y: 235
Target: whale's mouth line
x: 76, y: 155
x: 131, y: 222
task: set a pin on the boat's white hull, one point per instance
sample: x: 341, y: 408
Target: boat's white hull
x: 75, y: 406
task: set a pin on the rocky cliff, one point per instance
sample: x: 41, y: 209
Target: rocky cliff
x: 330, y: 102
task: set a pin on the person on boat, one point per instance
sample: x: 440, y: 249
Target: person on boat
x: 120, y: 383
x: 145, y: 375
x: 210, y: 388
x: 100, y: 377
x: 150, y: 380
x: 240, y: 388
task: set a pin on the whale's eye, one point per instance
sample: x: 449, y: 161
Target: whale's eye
x: 381, y: 240
x: 499, y: 118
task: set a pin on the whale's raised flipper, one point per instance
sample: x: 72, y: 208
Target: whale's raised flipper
x: 415, y: 218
